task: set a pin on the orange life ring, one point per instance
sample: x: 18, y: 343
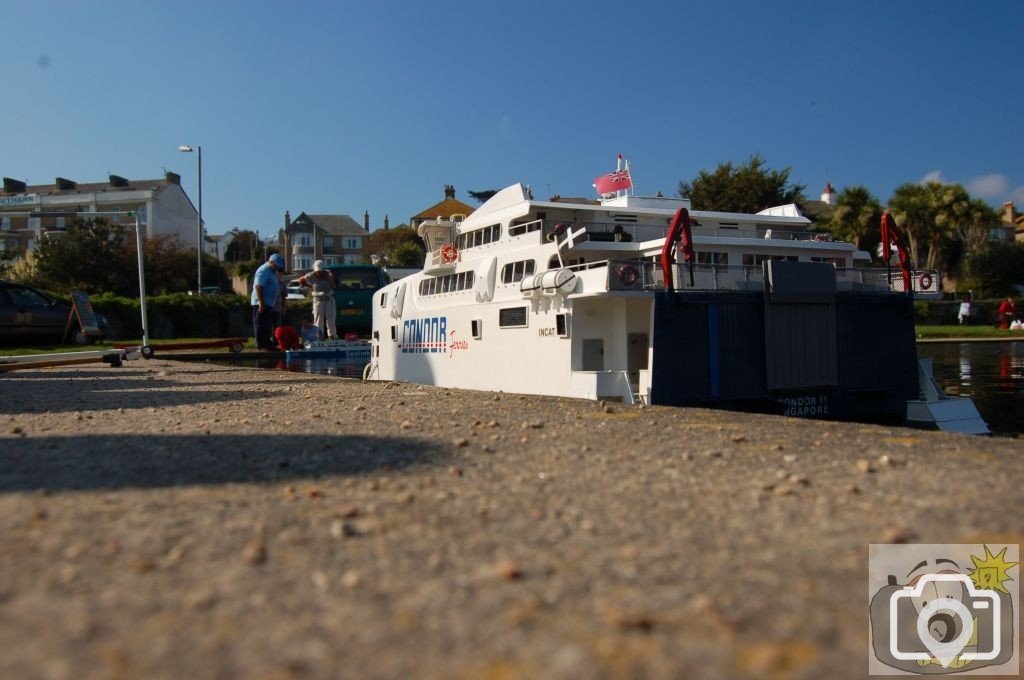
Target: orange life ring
x: 449, y: 253
x: 628, y: 275
x: 925, y: 281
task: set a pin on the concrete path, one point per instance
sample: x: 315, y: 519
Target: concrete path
x: 172, y: 520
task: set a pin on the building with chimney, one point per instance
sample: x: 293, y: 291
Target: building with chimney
x: 445, y: 209
x: 29, y: 212
x: 1013, y: 222
x: 335, y: 239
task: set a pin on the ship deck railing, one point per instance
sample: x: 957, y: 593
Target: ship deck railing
x: 628, y: 231
x: 636, y: 275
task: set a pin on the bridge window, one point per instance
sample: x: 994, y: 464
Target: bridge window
x: 479, y: 237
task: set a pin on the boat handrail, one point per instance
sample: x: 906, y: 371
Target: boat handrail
x: 587, y: 265
x: 923, y: 282
x: 627, y: 231
x: 526, y: 227
x: 779, y: 235
x: 647, y: 275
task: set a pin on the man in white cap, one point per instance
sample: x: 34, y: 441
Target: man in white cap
x: 324, y: 311
x: 265, y: 290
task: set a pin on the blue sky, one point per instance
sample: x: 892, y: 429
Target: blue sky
x: 341, y: 107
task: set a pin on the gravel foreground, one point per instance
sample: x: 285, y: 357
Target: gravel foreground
x: 170, y: 520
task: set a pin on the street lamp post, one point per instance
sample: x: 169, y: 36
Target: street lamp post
x: 185, y: 148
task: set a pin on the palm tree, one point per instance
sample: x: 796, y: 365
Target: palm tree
x: 912, y: 207
x: 975, y: 230
x: 856, y: 216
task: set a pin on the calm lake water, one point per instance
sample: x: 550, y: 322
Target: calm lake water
x: 990, y: 373
x: 342, y: 368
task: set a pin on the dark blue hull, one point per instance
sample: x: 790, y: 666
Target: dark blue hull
x: 846, y: 356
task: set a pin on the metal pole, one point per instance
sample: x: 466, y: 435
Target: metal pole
x: 142, y: 281
x: 199, y: 225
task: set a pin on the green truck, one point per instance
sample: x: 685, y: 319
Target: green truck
x: 354, y: 286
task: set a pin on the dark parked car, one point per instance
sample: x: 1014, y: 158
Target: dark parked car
x: 30, y: 314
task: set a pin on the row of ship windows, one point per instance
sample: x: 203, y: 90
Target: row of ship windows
x: 479, y: 237
x: 447, y: 284
x: 513, y: 272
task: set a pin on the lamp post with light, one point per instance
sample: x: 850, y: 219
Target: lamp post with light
x: 185, y: 148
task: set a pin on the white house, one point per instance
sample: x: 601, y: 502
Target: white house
x: 162, y: 205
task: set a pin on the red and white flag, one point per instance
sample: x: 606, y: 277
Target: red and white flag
x: 613, y: 181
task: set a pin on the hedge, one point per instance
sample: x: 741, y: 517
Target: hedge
x: 185, y: 316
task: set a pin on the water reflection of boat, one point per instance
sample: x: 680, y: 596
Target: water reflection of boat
x: 351, y: 350
x: 638, y: 300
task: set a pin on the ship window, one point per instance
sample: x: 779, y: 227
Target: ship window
x: 512, y: 317
x: 394, y: 333
x: 383, y: 299
x: 562, y: 325
x: 750, y: 260
x: 514, y: 272
x: 477, y: 327
x: 712, y: 258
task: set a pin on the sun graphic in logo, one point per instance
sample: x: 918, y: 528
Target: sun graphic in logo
x: 990, y: 572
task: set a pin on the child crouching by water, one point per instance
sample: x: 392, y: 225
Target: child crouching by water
x: 309, y: 331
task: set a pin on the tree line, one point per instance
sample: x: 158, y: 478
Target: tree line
x: 944, y: 227
x: 97, y: 256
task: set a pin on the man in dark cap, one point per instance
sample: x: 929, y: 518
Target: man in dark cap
x: 265, y: 290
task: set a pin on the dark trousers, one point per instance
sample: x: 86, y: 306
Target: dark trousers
x: 263, y: 327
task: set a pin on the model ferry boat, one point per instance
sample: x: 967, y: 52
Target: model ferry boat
x: 641, y: 300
